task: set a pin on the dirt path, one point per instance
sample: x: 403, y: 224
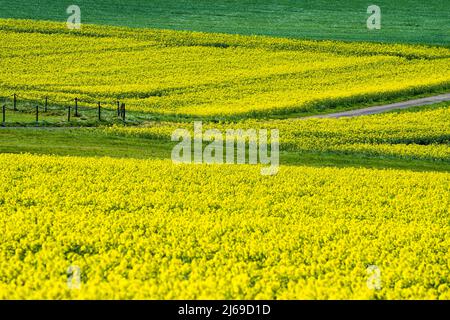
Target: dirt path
x: 387, y: 107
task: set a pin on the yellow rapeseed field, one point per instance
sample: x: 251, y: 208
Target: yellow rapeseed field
x: 151, y: 229
x: 199, y: 74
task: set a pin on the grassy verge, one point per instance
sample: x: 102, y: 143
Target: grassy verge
x: 93, y: 142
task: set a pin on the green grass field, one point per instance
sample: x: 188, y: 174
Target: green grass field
x: 411, y: 21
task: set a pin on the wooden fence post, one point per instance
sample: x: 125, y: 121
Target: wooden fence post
x: 15, y: 102
x: 37, y: 114
x: 68, y: 115
x: 118, y: 108
x: 99, y: 112
x: 46, y: 104
x: 76, y: 107
x: 4, y: 115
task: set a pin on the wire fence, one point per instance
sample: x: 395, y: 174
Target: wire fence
x: 67, y: 110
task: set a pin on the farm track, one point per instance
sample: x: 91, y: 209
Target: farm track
x: 385, y: 108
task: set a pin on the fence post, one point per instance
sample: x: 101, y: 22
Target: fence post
x: 68, y: 115
x: 118, y: 108
x: 4, y: 115
x: 99, y: 112
x: 37, y: 115
x: 15, y: 102
x: 46, y: 104
x: 76, y: 107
